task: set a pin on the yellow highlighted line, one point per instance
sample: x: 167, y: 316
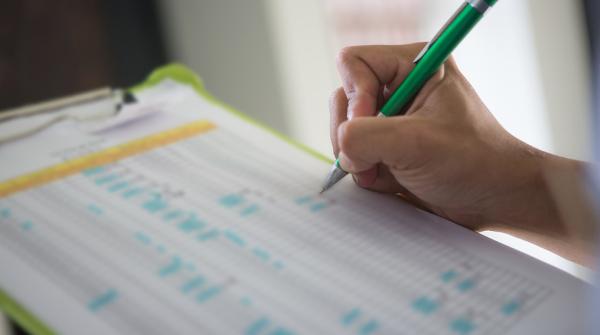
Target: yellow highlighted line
x: 103, y: 157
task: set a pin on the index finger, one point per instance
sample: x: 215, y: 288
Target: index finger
x: 365, y: 70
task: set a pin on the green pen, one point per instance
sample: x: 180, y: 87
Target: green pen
x: 427, y: 62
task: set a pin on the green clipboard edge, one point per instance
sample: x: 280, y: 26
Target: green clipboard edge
x: 182, y: 74
x: 22, y: 317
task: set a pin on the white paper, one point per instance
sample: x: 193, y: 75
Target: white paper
x: 225, y: 233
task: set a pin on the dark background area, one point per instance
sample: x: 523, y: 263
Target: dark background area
x: 53, y: 48
x: 592, y: 11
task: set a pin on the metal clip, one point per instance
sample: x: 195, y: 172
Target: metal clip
x: 479, y: 5
x: 424, y: 50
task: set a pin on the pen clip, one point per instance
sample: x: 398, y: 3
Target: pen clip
x: 437, y: 35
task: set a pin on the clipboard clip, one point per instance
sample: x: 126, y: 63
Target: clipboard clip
x: 118, y: 97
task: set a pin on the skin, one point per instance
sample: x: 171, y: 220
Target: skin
x: 447, y: 154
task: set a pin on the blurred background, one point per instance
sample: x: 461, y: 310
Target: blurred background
x: 275, y: 59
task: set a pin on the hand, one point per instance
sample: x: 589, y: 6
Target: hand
x: 447, y: 153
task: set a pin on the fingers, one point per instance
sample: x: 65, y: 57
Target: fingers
x: 365, y: 142
x: 369, y: 75
x: 366, y: 73
x: 366, y: 70
x: 360, y: 83
x: 338, y: 106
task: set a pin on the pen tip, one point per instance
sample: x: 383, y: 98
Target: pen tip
x: 335, y: 175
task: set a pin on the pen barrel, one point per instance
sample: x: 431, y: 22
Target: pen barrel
x: 437, y: 53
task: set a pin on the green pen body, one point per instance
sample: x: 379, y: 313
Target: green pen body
x: 437, y: 53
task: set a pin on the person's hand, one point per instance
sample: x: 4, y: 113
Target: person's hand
x: 447, y: 153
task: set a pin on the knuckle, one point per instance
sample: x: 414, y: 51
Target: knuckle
x: 451, y: 63
x: 450, y: 70
x: 405, y: 63
x: 406, y: 53
x: 418, y: 46
x: 414, y: 48
x: 345, y: 55
x: 347, y: 137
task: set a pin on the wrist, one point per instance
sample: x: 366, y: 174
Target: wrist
x: 532, y: 211
x: 523, y: 200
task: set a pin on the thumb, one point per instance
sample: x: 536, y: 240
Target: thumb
x: 367, y: 141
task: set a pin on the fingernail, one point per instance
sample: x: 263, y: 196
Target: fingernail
x: 345, y: 163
